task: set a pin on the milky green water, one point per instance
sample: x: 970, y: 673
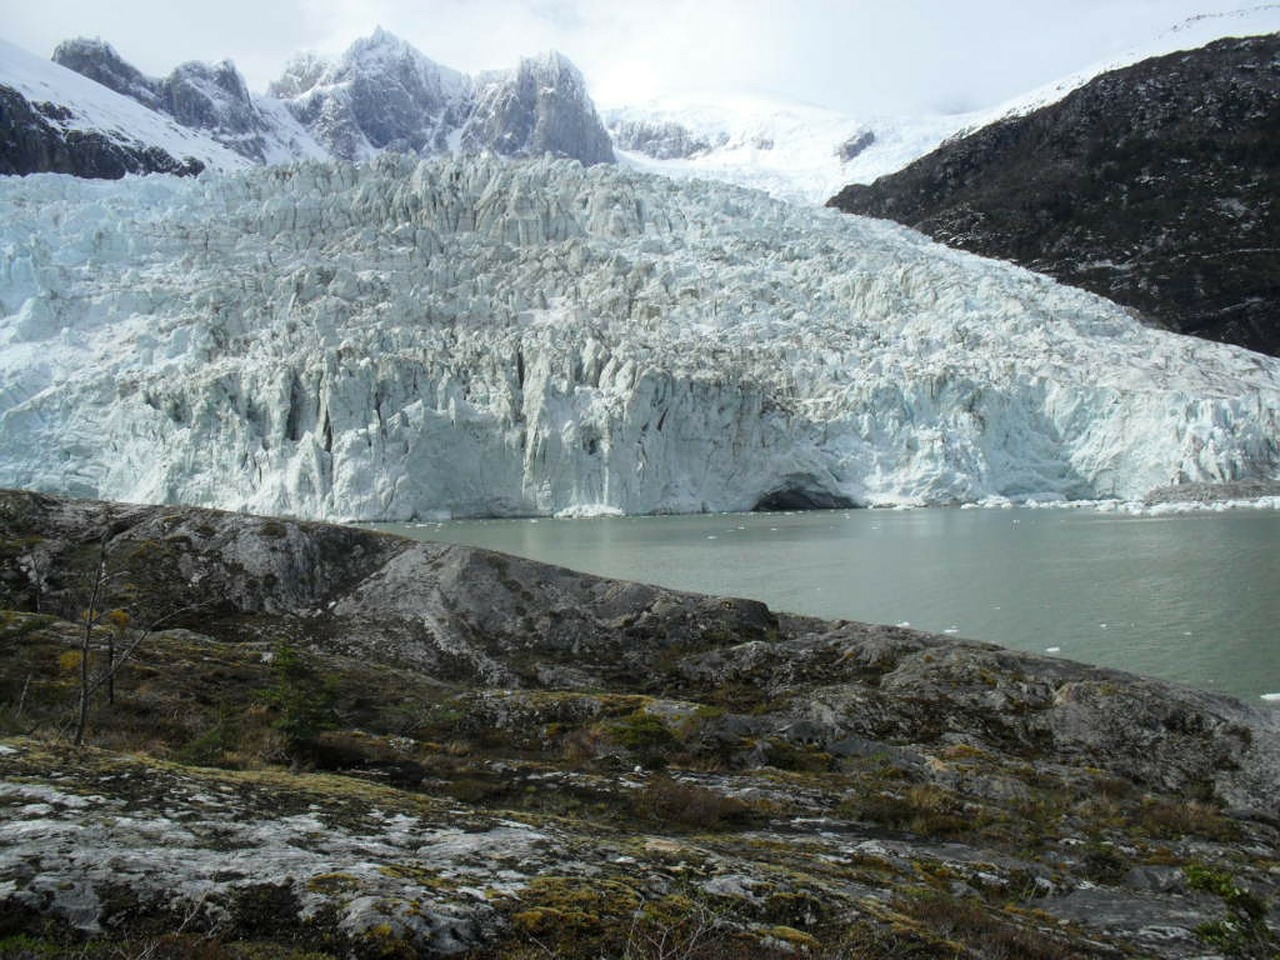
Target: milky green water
x: 1193, y: 598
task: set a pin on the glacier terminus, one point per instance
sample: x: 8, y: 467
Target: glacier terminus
x: 410, y: 339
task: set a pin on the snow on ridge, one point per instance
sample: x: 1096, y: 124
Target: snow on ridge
x: 1190, y: 34
x: 94, y: 107
x: 802, y: 161
x: 405, y: 339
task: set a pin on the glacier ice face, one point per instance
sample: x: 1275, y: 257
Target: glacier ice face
x: 464, y: 337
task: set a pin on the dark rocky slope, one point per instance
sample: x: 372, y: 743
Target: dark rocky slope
x: 502, y: 758
x: 33, y: 141
x: 1155, y: 185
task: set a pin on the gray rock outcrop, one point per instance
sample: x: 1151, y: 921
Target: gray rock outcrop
x: 496, y: 781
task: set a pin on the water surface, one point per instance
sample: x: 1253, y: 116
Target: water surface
x: 1193, y: 598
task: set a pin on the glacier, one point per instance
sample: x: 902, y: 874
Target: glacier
x: 417, y: 339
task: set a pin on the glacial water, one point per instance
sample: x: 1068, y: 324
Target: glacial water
x: 1193, y: 598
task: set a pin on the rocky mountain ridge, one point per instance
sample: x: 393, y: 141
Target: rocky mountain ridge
x: 54, y: 120
x: 381, y: 94
x: 210, y: 98
x: 1154, y: 186
x: 511, y: 756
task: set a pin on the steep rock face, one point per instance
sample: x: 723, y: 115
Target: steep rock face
x: 382, y: 94
x: 476, y: 337
x: 99, y: 61
x: 214, y: 98
x: 541, y: 107
x: 1154, y: 185
x: 211, y: 98
x: 34, y: 140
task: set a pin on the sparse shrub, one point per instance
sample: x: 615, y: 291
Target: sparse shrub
x: 274, y: 529
x: 646, y: 736
x: 969, y: 922
x: 923, y: 809
x: 1103, y: 863
x: 642, y: 732
x: 789, y: 756
x: 584, y: 744
x: 301, y: 700
x: 1172, y: 819
x: 1243, y: 932
x: 572, y: 917
x: 217, y: 742
x: 676, y: 803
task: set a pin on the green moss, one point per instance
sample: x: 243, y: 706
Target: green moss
x: 1243, y: 932
x: 572, y: 916
x: 642, y: 732
x: 332, y: 884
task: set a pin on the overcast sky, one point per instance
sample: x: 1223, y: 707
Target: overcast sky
x: 854, y: 55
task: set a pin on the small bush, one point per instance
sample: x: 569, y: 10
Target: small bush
x: 1173, y: 819
x: 971, y: 923
x: 302, y: 702
x: 642, y: 732
x: 213, y: 746
x: 1243, y: 932
x: 688, y: 805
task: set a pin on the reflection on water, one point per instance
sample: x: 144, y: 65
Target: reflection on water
x: 1193, y: 598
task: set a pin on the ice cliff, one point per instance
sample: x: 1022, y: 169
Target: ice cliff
x: 476, y: 336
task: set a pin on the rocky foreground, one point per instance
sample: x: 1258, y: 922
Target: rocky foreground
x: 330, y: 742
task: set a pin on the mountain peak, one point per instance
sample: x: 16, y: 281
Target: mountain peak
x: 100, y: 62
x: 540, y: 107
x: 381, y: 42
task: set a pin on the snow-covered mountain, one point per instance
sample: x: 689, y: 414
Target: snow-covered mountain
x: 381, y: 94
x: 209, y: 98
x: 541, y: 107
x: 55, y: 119
x: 384, y: 94
x: 807, y: 153
x: 475, y: 336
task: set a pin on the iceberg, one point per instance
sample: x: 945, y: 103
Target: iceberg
x: 472, y: 336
